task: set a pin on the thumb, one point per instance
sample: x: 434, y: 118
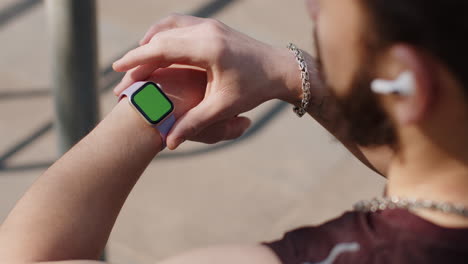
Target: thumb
x: 194, y: 121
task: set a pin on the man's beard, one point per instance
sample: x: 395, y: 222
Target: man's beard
x: 364, y: 120
x: 359, y: 117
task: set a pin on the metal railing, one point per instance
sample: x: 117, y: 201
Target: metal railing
x: 73, y: 36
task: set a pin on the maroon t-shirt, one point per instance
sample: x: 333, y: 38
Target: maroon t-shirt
x: 391, y: 236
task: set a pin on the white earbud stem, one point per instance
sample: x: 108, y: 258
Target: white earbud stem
x: 403, y: 85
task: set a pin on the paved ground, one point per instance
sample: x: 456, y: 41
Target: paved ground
x: 291, y: 173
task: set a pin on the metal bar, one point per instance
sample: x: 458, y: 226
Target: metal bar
x: 16, y: 9
x: 73, y: 37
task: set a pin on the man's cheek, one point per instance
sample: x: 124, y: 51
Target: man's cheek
x: 331, y: 68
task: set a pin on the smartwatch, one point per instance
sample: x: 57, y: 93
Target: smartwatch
x: 148, y: 99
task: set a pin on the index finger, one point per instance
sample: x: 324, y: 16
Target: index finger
x: 170, y: 22
x: 137, y: 74
x: 170, y: 47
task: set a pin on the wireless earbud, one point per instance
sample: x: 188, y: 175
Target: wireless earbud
x: 403, y: 85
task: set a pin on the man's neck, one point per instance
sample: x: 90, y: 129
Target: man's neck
x: 425, y: 172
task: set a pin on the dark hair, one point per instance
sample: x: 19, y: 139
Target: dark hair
x: 439, y: 27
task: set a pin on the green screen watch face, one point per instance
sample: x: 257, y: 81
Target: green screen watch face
x: 152, y: 103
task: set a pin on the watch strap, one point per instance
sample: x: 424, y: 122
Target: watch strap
x: 164, y: 127
x: 131, y: 90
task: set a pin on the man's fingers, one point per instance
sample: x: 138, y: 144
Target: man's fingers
x: 194, y: 121
x: 170, y: 47
x: 142, y: 55
x: 170, y: 22
x: 140, y: 73
x: 224, y: 130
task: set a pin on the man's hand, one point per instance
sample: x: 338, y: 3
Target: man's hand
x: 186, y: 89
x: 242, y: 73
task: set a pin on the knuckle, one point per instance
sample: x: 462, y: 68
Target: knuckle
x: 149, y: 51
x: 159, y: 37
x: 168, y: 20
x: 215, y: 35
x: 158, y: 41
x: 153, y: 27
x: 172, y: 17
x: 218, y: 47
x: 154, y: 39
x: 214, y: 26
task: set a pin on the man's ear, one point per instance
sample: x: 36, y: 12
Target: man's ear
x: 407, y: 62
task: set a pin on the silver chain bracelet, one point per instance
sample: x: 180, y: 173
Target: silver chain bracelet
x: 305, y: 76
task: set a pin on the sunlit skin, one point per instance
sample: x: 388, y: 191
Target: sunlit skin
x: 70, y: 210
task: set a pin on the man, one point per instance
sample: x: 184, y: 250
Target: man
x: 410, y: 125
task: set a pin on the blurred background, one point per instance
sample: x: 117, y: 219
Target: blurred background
x: 286, y: 173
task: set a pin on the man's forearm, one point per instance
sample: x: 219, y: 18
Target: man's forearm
x: 69, y: 211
